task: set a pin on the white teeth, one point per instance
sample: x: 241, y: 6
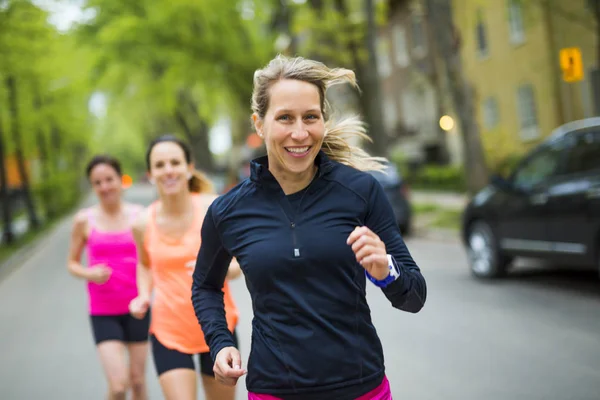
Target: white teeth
x: 297, y: 149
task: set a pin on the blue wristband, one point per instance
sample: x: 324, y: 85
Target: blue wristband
x: 393, y: 275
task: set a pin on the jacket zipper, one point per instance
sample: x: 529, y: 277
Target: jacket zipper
x: 294, y: 241
x: 293, y: 224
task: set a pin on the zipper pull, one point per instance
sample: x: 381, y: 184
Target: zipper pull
x: 296, y: 250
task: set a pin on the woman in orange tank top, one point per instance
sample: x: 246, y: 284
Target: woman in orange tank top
x: 168, y: 239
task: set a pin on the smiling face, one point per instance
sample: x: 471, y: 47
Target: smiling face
x: 106, y: 182
x: 169, y: 169
x: 293, y: 127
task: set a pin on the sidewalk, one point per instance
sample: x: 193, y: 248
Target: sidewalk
x: 26, y: 250
x: 424, y: 226
x: 439, y: 198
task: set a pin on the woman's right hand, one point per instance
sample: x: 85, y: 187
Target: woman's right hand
x: 99, y: 274
x: 228, y: 366
x: 138, y: 307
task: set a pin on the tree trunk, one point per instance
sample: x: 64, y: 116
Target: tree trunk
x: 14, y: 111
x: 370, y: 99
x: 281, y: 23
x: 43, y: 154
x: 8, y: 236
x: 375, y: 103
x: 41, y: 140
x: 198, y: 141
x: 557, y: 75
x: 440, y: 14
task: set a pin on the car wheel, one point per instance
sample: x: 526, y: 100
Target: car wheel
x: 484, y: 257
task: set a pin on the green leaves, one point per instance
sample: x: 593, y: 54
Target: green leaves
x: 49, y: 74
x: 44, y: 89
x: 148, y: 53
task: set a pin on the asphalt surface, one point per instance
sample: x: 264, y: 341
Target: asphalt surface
x: 534, y: 335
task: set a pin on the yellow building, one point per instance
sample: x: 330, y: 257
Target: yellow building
x: 510, y: 54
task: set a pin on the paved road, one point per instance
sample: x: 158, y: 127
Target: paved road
x: 533, y: 336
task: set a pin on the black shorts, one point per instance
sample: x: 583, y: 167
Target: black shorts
x: 167, y: 359
x: 124, y: 328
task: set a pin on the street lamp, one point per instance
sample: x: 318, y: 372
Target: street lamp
x: 446, y: 123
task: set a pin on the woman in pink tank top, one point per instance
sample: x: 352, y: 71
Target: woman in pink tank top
x: 104, y: 232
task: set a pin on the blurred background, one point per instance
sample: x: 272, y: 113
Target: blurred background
x: 489, y: 112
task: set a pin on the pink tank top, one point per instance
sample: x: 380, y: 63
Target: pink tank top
x: 117, y: 251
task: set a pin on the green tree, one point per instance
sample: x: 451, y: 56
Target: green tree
x: 180, y: 79
x: 342, y: 32
x: 45, y: 106
x: 21, y: 43
x: 439, y: 14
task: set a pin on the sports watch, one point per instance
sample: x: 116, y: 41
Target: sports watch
x: 393, y: 275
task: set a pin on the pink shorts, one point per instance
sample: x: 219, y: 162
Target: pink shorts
x: 381, y: 392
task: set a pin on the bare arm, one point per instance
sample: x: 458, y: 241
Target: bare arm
x: 144, y: 277
x: 76, y: 246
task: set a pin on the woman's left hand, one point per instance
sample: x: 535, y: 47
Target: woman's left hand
x: 370, y: 252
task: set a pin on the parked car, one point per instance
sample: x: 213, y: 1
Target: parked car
x: 397, y: 192
x: 548, y: 208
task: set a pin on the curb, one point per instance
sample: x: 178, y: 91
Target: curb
x: 12, y: 263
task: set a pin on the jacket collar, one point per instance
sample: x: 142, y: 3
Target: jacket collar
x: 259, y: 168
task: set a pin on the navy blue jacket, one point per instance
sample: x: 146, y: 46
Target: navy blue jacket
x: 312, y: 334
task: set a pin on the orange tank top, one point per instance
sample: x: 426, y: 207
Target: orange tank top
x: 172, y: 261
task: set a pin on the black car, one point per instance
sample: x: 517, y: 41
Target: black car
x: 397, y: 192
x: 548, y: 208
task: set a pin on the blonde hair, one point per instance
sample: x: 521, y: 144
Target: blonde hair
x: 336, y: 142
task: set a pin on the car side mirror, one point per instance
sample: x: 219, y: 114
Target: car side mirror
x: 501, y: 183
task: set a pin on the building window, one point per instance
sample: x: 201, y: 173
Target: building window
x: 419, y: 37
x: 515, y: 22
x: 383, y: 57
x: 402, y: 57
x: 527, y: 111
x: 481, y: 35
x: 490, y: 113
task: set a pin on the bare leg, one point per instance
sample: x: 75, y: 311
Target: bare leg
x: 112, y: 357
x: 215, y: 390
x: 138, y: 354
x: 179, y: 384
